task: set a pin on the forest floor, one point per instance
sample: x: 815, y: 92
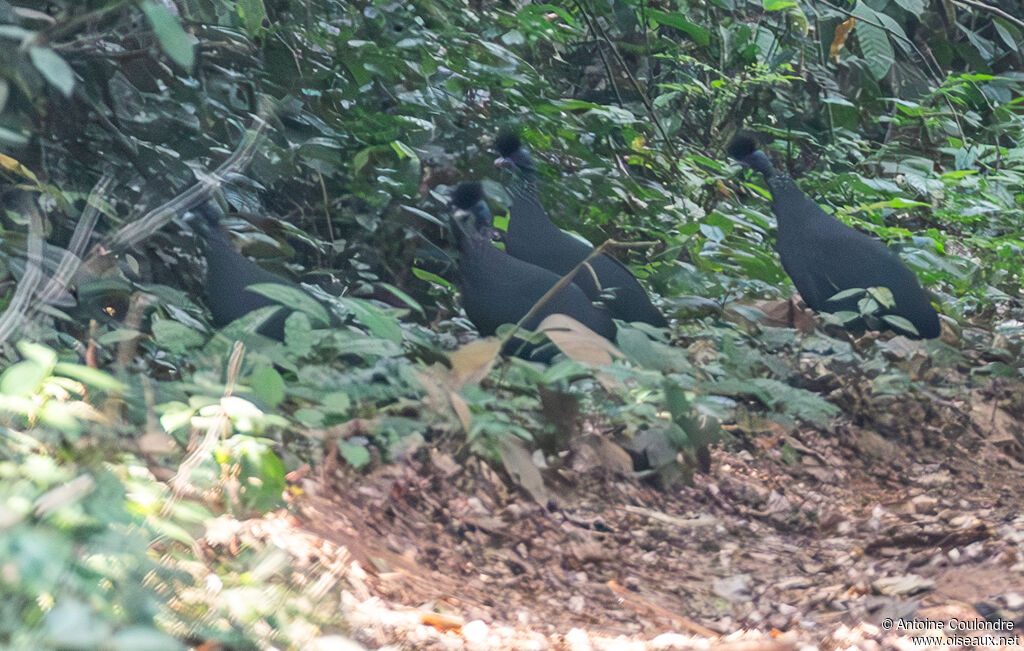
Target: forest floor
x: 910, y: 511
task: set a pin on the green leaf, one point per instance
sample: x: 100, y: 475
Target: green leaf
x: 92, y: 377
x: 899, y: 322
x: 268, y: 385
x: 173, y: 39
x: 176, y: 337
x: 777, y: 5
x: 357, y: 456
x: 310, y: 417
x: 700, y: 35
x: 874, y: 41
x: 430, y: 277
x: 23, y: 378
x: 403, y: 150
x: 883, y: 295
x: 376, y: 320
x: 294, y: 298
x: 846, y: 293
x: 915, y: 7
x: 42, y: 355
x: 336, y: 402
x: 298, y: 334
x: 54, y: 68
x: 252, y: 13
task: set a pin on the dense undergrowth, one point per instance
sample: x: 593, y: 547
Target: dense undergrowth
x: 337, y: 128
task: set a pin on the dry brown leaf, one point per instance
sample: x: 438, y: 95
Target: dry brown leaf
x: 461, y: 410
x: 839, y: 40
x: 156, y: 442
x: 442, y: 622
x: 577, y: 341
x: 598, y: 451
x: 472, y: 362
x: 519, y: 464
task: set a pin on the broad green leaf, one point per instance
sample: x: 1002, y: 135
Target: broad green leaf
x: 423, y: 274
x: 294, y: 298
x: 23, y: 378
x: 268, y: 385
x: 54, y: 68
x: 914, y: 7
x: 92, y: 377
x: 700, y: 35
x: 253, y: 13
x: 176, y: 337
x: 357, y: 456
x: 846, y: 293
x: 376, y: 320
x: 899, y: 322
x: 173, y: 40
x: 874, y: 41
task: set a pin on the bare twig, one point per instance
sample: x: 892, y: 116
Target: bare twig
x: 20, y: 303
x: 557, y: 287
x: 72, y: 258
x: 599, y: 31
x: 996, y: 10
x: 154, y: 220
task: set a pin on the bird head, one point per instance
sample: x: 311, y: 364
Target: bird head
x: 743, y: 149
x: 512, y: 155
x: 472, y: 218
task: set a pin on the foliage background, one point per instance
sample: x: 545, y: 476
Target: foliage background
x: 909, y: 127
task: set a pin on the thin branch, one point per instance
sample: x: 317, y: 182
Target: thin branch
x: 154, y: 220
x: 629, y: 75
x: 72, y: 258
x: 557, y: 287
x: 996, y: 10
x: 20, y: 303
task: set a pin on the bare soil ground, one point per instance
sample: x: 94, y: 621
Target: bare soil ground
x: 911, y: 512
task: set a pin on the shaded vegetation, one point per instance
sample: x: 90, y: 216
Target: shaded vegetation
x: 334, y: 130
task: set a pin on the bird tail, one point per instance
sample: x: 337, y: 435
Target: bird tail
x: 743, y: 148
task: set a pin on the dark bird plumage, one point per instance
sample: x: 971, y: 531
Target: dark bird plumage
x: 497, y: 288
x: 823, y: 256
x: 533, y: 237
x: 229, y: 274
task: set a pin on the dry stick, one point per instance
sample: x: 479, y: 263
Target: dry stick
x: 72, y: 258
x: 562, y: 282
x: 219, y: 428
x: 20, y: 302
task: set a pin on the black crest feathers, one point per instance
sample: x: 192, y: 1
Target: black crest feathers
x: 467, y: 194
x: 507, y: 143
x: 742, y: 145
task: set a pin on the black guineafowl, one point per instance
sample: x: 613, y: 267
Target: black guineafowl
x: 533, y: 237
x: 229, y: 274
x: 497, y: 288
x: 823, y: 256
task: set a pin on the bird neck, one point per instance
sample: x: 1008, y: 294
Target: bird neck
x: 528, y: 215
x: 794, y: 210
